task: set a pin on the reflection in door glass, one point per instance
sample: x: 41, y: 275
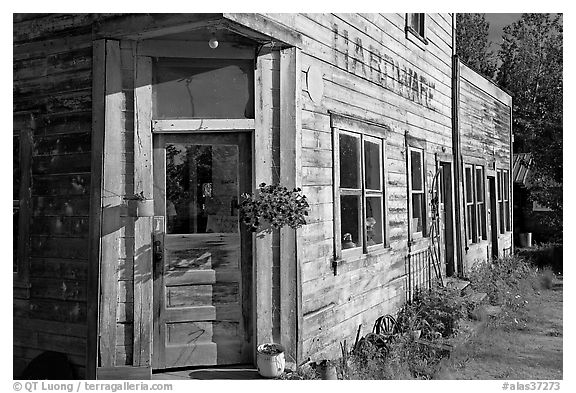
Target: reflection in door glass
x: 201, y: 188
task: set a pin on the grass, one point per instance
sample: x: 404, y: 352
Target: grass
x: 523, y: 341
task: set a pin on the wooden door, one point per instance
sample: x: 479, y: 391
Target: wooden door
x: 202, y: 269
x: 446, y: 214
x: 492, y: 213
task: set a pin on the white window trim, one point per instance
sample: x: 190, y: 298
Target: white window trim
x: 419, y: 234
x: 481, y: 230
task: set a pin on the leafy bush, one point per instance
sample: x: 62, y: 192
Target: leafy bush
x: 436, y: 312
x: 274, y: 206
x: 501, y: 278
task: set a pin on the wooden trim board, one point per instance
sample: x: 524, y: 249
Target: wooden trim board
x: 97, y: 147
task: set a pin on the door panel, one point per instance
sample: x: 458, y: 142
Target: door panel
x: 202, y: 253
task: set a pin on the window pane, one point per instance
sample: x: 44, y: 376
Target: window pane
x: 416, y: 169
x: 417, y: 212
x: 202, y: 188
x: 506, y: 185
x: 349, y: 220
x: 469, y: 222
x: 372, y: 159
x: 204, y: 88
x: 501, y: 212
x: 482, y: 221
x: 16, y: 167
x: 468, y: 174
x: 499, y: 181
x: 479, y: 185
x: 373, y: 221
x: 349, y: 161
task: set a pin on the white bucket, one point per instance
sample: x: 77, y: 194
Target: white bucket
x: 270, y: 365
x: 526, y: 239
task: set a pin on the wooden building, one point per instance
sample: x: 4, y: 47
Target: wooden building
x: 135, y: 134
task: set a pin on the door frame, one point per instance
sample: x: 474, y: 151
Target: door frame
x: 494, y: 232
x: 262, y: 129
x: 246, y: 259
x: 449, y: 227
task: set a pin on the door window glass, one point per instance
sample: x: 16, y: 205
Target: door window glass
x: 201, y: 188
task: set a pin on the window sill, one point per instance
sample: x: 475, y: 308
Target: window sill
x: 418, y: 40
x: 375, y: 252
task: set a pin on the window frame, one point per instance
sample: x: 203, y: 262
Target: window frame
x: 365, y: 132
x: 481, y: 229
x: 504, y: 193
x: 423, y: 233
x: 420, y: 32
x: 471, y: 220
x: 478, y: 220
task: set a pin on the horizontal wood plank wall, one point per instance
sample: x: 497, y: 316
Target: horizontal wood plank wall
x: 370, y: 72
x: 484, y: 126
x: 52, y: 65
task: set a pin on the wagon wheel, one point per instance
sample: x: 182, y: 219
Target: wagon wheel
x: 385, y: 325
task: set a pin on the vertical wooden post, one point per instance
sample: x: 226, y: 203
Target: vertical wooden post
x: 111, y: 197
x: 263, y: 173
x: 290, y: 176
x: 143, y: 183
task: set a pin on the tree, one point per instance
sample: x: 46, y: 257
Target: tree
x: 531, y: 70
x: 472, y: 45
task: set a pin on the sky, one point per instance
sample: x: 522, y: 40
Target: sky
x: 497, y: 23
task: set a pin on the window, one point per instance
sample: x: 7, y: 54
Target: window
x: 474, y: 183
x: 503, y: 180
x: 480, y: 203
x: 416, y: 192
x: 360, y: 225
x: 415, y: 26
x: 470, y: 212
x: 499, y: 199
x: 203, y: 89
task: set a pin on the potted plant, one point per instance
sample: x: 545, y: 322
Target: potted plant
x: 270, y: 360
x: 273, y: 207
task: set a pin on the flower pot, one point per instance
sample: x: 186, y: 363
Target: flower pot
x: 270, y: 360
x: 327, y: 371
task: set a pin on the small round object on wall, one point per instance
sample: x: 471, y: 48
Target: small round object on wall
x: 314, y: 83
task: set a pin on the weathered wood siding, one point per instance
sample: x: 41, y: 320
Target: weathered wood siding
x: 370, y: 72
x: 485, y: 131
x: 52, y: 79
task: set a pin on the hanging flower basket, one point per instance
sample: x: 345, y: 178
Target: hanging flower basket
x: 273, y: 207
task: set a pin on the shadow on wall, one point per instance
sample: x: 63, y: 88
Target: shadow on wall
x: 50, y: 365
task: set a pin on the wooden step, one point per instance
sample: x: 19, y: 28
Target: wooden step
x: 453, y: 282
x: 476, y: 297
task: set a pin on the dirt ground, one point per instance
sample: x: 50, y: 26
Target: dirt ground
x: 523, y: 345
